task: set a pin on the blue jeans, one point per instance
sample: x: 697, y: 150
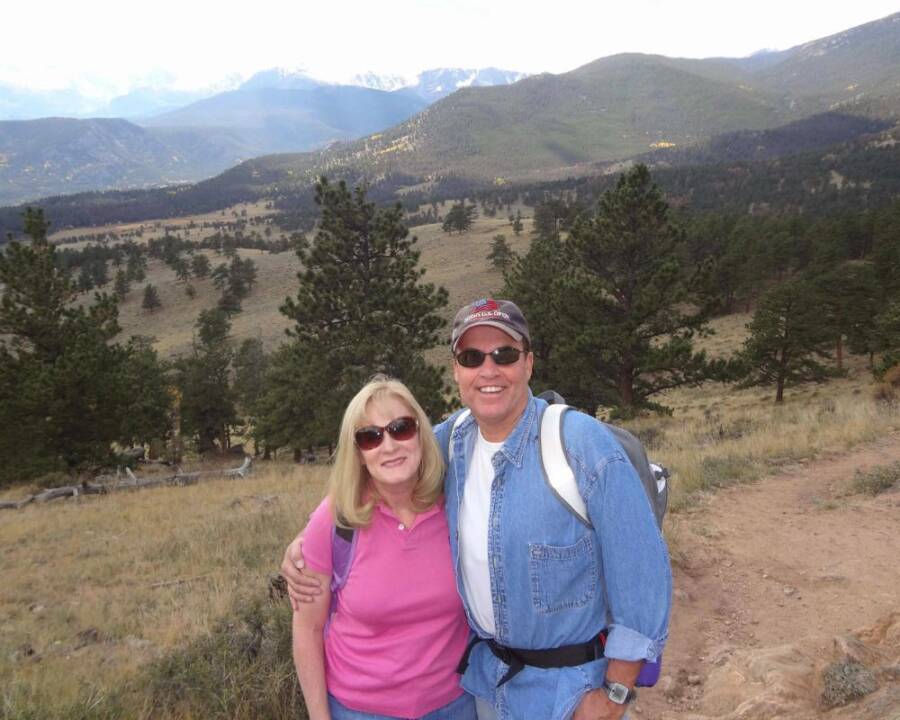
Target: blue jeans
x: 463, y: 708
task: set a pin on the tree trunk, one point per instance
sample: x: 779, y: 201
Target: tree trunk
x: 626, y: 386
x: 839, y: 352
x: 782, y: 375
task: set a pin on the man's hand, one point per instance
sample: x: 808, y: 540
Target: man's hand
x: 302, y: 587
x: 596, y: 705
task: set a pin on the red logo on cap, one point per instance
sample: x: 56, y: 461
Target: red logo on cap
x: 485, y: 304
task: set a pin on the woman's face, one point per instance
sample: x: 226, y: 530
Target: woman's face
x: 393, y: 465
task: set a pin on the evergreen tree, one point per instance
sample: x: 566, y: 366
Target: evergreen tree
x: 626, y: 330
x: 360, y: 309
x: 85, y: 279
x: 251, y: 364
x: 787, y: 334
x: 460, y: 218
x: 121, y: 286
x: 151, y: 299
x: 136, y: 266
x: 220, y: 276
x: 849, y: 299
x: 517, y: 225
x: 64, y: 385
x: 200, y: 266
x: 204, y: 381
x: 182, y: 268
x: 144, y: 377
x: 533, y: 284
x: 501, y: 255
x: 887, y: 329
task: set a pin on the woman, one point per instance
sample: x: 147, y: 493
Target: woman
x: 397, y: 631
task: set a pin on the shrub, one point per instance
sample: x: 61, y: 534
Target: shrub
x: 876, y: 480
x: 888, y: 390
x: 844, y: 681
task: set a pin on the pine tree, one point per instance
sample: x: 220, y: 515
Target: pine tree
x: 360, y: 309
x: 533, y: 284
x: 626, y: 329
x: 517, y: 225
x: 250, y: 366
x: 849, y: 303
x: 787, y: 334
x: 887, y: 334
x: 200, y: 266
x: 64, y: 385
x: 151, y: 299
x: 501, y: 255
x: 121, y: 286
x: 204, y: 381
x: 460, y: 218
x: 136, y: 266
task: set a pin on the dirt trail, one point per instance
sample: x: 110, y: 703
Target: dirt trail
x: 772, y: 573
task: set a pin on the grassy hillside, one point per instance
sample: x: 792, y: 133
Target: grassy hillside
x: 846, y: 69
x: 455, y: 261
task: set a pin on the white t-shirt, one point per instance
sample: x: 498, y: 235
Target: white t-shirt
x: 473, y: 533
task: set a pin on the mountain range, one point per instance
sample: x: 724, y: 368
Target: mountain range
x: 191, y: 137
x: 554, y: 126
x: 618, y: 107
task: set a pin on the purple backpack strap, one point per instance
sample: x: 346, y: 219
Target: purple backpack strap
x: 343, y: 547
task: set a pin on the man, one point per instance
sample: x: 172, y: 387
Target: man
x: 537, y: 582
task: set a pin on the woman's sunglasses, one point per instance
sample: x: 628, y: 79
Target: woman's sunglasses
x: 370, y: 436
x: 472, y: 358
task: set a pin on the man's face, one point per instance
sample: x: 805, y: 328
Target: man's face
x: 496, y: 394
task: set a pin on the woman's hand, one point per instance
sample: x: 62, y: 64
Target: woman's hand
x: 303, y: 587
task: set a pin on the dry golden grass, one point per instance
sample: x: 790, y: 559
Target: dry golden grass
x: 145, y: 571
x: 151, y: 228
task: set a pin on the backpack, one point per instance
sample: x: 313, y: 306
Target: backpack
x: 561, y: 480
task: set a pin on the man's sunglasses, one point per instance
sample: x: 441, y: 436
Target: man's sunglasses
x: 370, y: 436
x: 472, y: 358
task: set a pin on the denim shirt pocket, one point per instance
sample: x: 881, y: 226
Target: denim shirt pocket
x: 562, y: 577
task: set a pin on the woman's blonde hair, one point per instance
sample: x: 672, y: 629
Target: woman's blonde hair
x: 352, y: 496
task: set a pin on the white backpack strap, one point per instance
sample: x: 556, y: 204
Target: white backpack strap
x: 557, y: 470
x: 460, y: 419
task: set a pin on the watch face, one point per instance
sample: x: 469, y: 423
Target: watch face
x: 617, y: 692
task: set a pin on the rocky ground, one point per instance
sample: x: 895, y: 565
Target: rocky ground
x: 787, y: 599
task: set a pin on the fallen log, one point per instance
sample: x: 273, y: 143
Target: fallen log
x: 132, y: 483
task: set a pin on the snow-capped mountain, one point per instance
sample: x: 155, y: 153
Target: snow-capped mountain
x: 432, y: 85
x: 388, y: 83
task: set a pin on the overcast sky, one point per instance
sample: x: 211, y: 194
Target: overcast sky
x: 109, y: 45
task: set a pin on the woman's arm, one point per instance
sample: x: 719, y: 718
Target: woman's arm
x: 309, y: 649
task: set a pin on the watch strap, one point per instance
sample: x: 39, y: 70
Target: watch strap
x: 618, y: 693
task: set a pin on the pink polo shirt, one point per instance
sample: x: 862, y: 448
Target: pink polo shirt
x: 398, y: 630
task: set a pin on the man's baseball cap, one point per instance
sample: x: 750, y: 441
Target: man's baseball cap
x: 501, y: 314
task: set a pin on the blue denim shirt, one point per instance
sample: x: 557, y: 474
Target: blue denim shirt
x: 554, y: 581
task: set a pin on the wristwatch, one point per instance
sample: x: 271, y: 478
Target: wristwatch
x: 618, y: 693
